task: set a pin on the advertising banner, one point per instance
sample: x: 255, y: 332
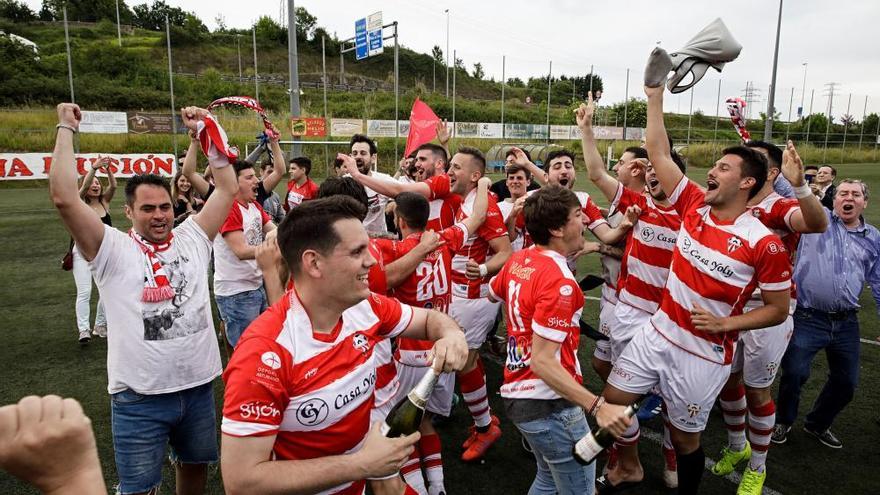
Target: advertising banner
x: 30, y: 166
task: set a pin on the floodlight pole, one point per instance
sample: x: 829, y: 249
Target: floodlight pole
x: 768, y: 122
x: 293, y: 68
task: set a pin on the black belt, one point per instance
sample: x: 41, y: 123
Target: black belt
x: 832, y: 315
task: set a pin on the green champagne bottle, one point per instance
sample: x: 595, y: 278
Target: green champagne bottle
x: 406, y: 416
x: 588, y: 448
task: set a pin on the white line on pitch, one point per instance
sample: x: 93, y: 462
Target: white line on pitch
x: 733, y: 477
x: 868, y: 341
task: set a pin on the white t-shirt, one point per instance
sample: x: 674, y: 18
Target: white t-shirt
x: 232, y: 275
x: 375, y: 221
x: 157, y: 348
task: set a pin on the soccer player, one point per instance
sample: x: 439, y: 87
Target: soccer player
x: 518, y: 179
x: 299, y: 388
x: 722, y: 255
x: 759, y: 352
x: 162, y: 352
x: 365, y: 153
x: 428, y: 287
x: 542, y: 389
x: 644, y: 268
x: 300, y: 187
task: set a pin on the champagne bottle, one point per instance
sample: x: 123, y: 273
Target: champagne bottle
x: 588, y: 448
x: 407, y: 415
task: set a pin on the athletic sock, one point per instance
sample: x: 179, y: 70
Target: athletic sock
x: 412, y: 473
x: 630, y: 436
x: 733, y: 404
x: 761, y: 420
x: 473, y: 390
x: 432, y: 461
x: 668, y: 449
x: 690, y: 471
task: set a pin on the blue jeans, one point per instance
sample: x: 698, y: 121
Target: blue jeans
x: 552, y: 439
x: 239, y: 310
x: 143, y: 426
x: 813, y: 331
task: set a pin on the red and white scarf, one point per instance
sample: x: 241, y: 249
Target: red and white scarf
x: 736, y: 108
x: 214, y: 141
x: 157, y: 286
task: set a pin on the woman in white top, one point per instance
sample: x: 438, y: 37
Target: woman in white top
x: 93, y: 193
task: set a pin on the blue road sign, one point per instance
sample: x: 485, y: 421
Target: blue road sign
x: 361, y: 50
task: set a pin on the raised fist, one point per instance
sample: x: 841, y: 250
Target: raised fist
x: 69, y: 114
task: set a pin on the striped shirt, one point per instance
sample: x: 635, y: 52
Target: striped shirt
x: 313, y: 391
x: 647, y: 257
x: 717, y: 265
x: 775, y: 213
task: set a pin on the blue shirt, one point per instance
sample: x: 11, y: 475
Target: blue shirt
x: 833, y: 267
x: 783, y: 187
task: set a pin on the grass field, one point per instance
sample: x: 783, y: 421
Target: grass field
x: 39, y: 354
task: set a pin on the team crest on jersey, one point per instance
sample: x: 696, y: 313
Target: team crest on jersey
x: 733, y: 244
x: 693, y: 410
x: 771, y: 367
x: 647, y: 234
x: 756, y: 212
x: 361, y: 342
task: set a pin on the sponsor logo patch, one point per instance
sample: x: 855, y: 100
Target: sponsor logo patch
x: 271, y: 360
x: 312, y: 412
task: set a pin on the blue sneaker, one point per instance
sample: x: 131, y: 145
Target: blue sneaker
x: 649, y: 408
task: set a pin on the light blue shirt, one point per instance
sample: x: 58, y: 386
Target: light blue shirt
x: 833, y: 267
x: 783, y: 187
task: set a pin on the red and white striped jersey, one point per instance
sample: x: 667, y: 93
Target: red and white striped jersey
x: 313, y: 391
x: 542, y: 298
x: 427, y: 287
x: 775, y: 213
x: 476, y: 247
x: 647, y: 257
x: 717, y: 265
x: 443, y: 203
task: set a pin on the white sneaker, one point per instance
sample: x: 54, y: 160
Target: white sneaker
x: 100, y: 331
x: 84, y: 337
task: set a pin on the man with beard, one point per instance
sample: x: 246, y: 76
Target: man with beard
x: 759, y: 352
x: 238, y: 282
x: 364, y: 152
x: 431, y: 162
x: 722, y: 254
x: 643, y: 273
x: 160, y: 382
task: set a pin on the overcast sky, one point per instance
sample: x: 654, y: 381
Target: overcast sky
x: 838, y: 40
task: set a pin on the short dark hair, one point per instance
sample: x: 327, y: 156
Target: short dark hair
x: 240, y: 166
x: 510, y: 152
x: 413, y: 208
x: 136, y: 181
x: 678, y: 160
x: 833, y: 170
x: 476, y: 155
x: 556, y: 154
x: 754, y: 165
x: 548, y: 209
x: 773, y: 151
x: 310, y: 226
x: 266, y: 163
x: 345, y: 186
x: 514, y: 168
x: 304, y: 163
x: 360, y: 138
x: 436, y: 149
x: 638, y: 151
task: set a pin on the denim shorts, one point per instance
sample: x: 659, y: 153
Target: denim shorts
x: 239, y: 310
x: 143, y: 425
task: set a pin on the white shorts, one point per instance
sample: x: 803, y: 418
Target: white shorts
x: 475, y: 316
x: 759, y: 352
x: 626, y: 322
x: 689, y: 384
x: 440, y: 401
x: 606, y: 315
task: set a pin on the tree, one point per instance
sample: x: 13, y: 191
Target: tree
x: 459, y: 63
x: 437, y: 53
x: 636, y: 112
x: 847, y: 120
x: 16, y: 11
x: 269, y: 30
x: 869, y: 124
x: 82, y: 10
x: 153, y: 17
x: 478, y: 71
x: 220, y: 21
x: 515, y: 82
x: 305, y: 23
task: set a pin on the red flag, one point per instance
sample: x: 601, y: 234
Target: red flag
x: 422, y: 126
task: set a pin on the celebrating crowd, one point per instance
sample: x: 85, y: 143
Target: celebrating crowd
x: 337, y: 300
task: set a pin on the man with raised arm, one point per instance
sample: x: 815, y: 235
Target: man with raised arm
x: 759, y: 352
x: 722, y: 254
x: 299, y: 388
x: 643, y: 271
x: 162, y: 352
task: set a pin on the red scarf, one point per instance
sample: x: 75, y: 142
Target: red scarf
x: 157, y: 287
